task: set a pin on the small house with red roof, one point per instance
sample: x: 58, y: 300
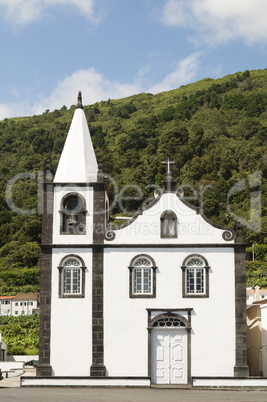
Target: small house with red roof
x: 5, y: 305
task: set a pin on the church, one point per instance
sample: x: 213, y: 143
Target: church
x: 160, y: 300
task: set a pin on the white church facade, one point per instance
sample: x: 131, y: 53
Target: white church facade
x: 142, y: 304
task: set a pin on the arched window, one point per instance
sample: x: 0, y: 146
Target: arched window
x: 73, y: 214
x: 71, y: 277
x: 195, y: 276
x: 142, y: 276
x: 168, y: 227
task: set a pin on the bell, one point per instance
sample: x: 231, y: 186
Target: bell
x: 72, y: 220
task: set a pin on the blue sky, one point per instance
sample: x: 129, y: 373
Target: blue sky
x: 51, y: 49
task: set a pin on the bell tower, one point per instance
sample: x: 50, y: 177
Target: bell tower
x: 76, y: 180
x: 78, y: 225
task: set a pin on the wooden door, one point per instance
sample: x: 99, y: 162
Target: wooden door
x: 169, y: 356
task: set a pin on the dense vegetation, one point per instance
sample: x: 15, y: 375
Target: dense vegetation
x: 214, y: 130
x: 21, y: 334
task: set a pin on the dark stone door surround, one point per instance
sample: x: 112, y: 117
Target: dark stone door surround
x: 172, y: 312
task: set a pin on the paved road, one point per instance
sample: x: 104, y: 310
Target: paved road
x: 10, y: 391
x: 126, y: 395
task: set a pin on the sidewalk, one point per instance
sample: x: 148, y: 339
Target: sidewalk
x: 13, y: 379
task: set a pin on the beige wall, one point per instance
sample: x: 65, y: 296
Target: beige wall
x: 254, y: 340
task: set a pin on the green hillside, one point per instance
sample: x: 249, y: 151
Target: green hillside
x: 214, y: 130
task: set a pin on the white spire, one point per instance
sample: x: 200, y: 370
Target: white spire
x: 78, y: 162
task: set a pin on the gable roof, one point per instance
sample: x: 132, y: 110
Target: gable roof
x: 194, y: 226
x: 264, y: 301
x: 6, y: 297
x: 26, y: 296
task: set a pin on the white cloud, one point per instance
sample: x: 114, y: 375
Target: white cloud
x: 5, y: 111
x: 175, y: 13
x: 14, y: 110
x: 185, y: 72
x: 95, y: 87
x: 218, y: 21
x: 23, y: 12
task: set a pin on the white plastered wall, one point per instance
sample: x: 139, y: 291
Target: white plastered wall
x: 59, y: 193
x: 126, y: 319
x: 71, y: 321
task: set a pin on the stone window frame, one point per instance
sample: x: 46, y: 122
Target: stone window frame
x: 60, y: 280
x: 172, y: 215
x: 81, y: 214
x: 153, y: 268
x: 206, y: 269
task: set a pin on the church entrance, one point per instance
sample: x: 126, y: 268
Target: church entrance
x: 169, y: 356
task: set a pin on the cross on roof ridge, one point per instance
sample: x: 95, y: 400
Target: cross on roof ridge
x: 168, y: 163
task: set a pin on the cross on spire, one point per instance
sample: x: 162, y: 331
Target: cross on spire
x: 168, y: 163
